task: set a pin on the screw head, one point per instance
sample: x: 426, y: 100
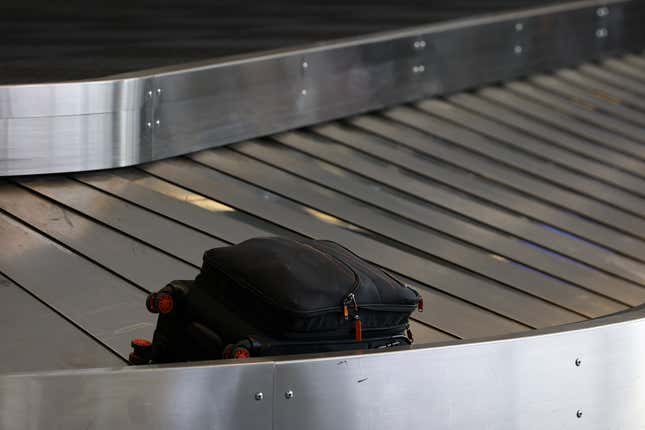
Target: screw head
x: 419, y: 44
x: 157, y: 122
x: 259, y: 396
x: 148, y: 124
x: 518, y: 49
x: 578, y: 362
x: 519, y: 26
x: 602, y: 11
x: 601, y: 33
x: 288, y: 394
x: 303, y: 92
x: 158, y: 90
x: 149, y: 93
x: 305, y: 65
x: 579, y: 413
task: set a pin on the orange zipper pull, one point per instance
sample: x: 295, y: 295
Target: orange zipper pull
x: 345, y: 312
x: 358, y: 328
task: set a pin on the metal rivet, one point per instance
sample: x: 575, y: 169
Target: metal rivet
x: 602, y: 11
x: 149, y: 93
x: 157, y: 122
x: 519, y: 26
x: 259, y: 396
x: 578, y: 362
x: 149, y: 124
x: 288, y: 394
x: 158, y: 91
x: 601, y: 33
x: 518, y: 49
x: 579, y: 413
x: 305, y: 65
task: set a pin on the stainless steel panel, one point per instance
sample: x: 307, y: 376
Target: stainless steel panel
x: 35, y: 338
x: 150, y: 115
x: 416, y: 236
x: 488, y: 294
x: 587, y: 375
x: 478, y: 162
x: 196, y: 397
x: 528, y: 382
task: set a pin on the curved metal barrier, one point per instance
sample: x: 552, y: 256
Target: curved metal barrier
x: 586, y: 375
x: 155, y: 114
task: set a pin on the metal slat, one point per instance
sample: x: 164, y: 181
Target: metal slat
x: 569, y: 168
x: 636, y: 61
x: 612, y: 78
x: 503, y: 300
x: 562, y: 121
x: 415, y: 236
x: 142, y: 265
x: 478, y: 186
x: 424, y: 334
x: 529, y: 125
x: 108, y: 308
x: 389, y: 200
x: 501, y: 245
x: 457, y: 317
x: 626, y: 130
x: 474, y: 209
x: 625, y: 69
x: 35, y: 338
x: 195, y: 210
x: 496, y: 171
x: 602, y: 90
x: 586, y: 99
x: 171, y: 237
x: 233, y: 226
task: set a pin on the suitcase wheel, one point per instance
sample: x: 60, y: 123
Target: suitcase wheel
x: 236, y: 352
x: 142, y: 350
x: 160, y: 303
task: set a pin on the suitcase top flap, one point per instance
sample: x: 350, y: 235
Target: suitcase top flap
x: 304, y: 276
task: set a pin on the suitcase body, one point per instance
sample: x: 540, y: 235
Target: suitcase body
x: 275, y: 296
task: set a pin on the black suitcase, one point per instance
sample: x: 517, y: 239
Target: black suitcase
x: 274, y: 296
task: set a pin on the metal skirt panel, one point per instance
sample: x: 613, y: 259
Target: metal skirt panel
x: 588, y: 375
x: 155, y: 114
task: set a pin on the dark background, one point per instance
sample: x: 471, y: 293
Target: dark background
x: 71, y: 40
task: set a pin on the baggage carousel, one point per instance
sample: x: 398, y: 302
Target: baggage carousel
x: 510, y: 194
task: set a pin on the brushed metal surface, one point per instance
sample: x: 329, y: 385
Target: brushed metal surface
x: 150, y: 115
x: 588, y: 375
x: 522, y: 383
x: 197, y: 397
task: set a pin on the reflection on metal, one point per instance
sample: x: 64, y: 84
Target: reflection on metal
x: 156, y: 114
x: 591, y: 372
